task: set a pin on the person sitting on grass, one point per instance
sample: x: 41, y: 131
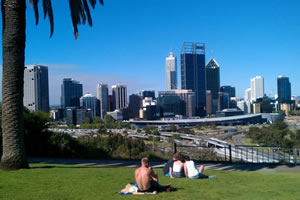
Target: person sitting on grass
x: 169, y: 165
x: 191, y: 171
x: 178, y: 168
x: 147, y: 179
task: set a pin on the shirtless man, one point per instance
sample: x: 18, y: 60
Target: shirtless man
x: 146, y: 178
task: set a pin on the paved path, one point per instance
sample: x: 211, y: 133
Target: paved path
x: 135, y: 163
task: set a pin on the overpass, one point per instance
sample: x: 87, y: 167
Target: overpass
x: 223, y: 121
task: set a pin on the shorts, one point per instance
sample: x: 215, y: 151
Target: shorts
x: 154, y: 186
x: 199, y: 175
x: 178, y: 174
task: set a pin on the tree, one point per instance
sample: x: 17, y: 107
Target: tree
x: 109, y: 122
x: 199, y: 127
x: 13, y: 44
x: 120, y: 125
x: 176, y: 136
x: 173, y: 128
x: 87, y: 120
x: 127, y: 126
x: 155, y: 132
x: 36, y: 135
x: 102, y: 129
x: 97, y: 120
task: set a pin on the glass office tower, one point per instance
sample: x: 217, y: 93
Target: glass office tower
x: 71, y: 91
x: 213, y: 83
x: 213, y: 77
x: 284, y: 89
x: 193, y: 74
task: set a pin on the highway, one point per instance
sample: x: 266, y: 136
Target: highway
x: 241, y: 153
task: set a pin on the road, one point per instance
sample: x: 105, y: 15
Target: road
x: 248, y: 154
x: 238, y: 139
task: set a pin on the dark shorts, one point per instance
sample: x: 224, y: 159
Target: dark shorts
x: 154, y: 186
x: 198, y: 176
x: 178, y: 174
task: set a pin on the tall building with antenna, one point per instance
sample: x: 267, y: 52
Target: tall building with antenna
x: 171, y: 71
x: 193, y: 75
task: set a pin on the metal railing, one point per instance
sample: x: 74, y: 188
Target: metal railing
x: 241, y: 153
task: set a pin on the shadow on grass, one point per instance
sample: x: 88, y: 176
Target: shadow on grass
x: 67, y: 166
x: 251, y: 166
x: 81, y: 163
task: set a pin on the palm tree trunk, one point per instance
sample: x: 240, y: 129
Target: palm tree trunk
x: 13, y: 40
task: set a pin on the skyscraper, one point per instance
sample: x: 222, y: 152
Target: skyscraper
x: 209, y: 102
x: 224, y: 101
x: 213, y: 82
x: 71, y: 91
x: 284, y: 89
x: 213, y: 77
x: 147, y: 93
x: 88, y: 101
x: 36, y: 88
x: 247, y: 94
x: 193, y: 73
x: 171, y: 71
x: 119, y: 95
x: 170, y: 104
x: 188, y: 98
x: 229, y: 90
x: 135, y: 102
x: 102, y: 95
x: 257, y: 88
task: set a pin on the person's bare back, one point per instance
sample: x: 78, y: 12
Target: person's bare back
x: 142, y: 177
x: 145, y: 177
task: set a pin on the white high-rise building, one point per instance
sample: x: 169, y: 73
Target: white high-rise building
x: 257, y: 88
x: 242, y: 106
x: 248, y: 95
x: 88, y: 101
x: 102, y: 96
x: 36, y: 88
x: 119, y: 96
x: 171, y: 71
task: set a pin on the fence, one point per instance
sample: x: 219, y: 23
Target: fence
x: 241, y: 153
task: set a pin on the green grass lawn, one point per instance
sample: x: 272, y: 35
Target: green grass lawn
x: 74, y: 182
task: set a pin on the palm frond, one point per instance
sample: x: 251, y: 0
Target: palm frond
x: 34, y: 3
x: 93, y: 3
x: 80, y: 11
x: 48, y: 11
x: 77, y: 15
x: 88, y: 14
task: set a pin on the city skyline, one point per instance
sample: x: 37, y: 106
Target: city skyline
x: 129, y: 41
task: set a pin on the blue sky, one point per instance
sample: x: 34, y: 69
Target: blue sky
x: 130, y: 39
